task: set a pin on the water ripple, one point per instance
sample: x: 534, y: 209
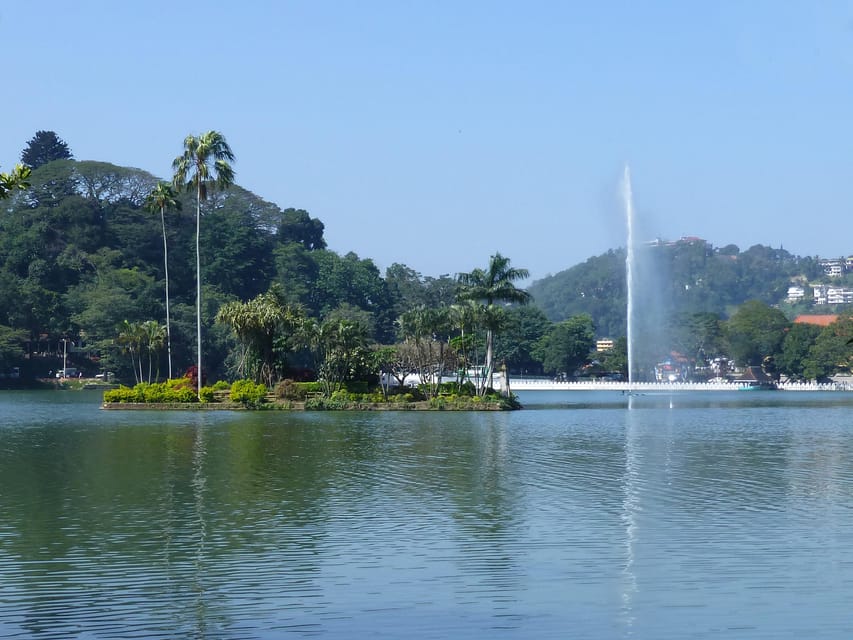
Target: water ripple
x: 732, y: 520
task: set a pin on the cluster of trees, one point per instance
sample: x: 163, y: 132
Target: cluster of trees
x: 142, y: 276
x: 758, y: 334
x: 148, y: 278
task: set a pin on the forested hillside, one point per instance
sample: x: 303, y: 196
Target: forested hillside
x: 81, y: 254
x: 685, y: 277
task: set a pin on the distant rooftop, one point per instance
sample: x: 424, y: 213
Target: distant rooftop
x: 820, y: 320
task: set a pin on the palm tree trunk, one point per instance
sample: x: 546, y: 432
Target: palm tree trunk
x: 198, y: 284
x: 166, y: 272
x: 487, y: 374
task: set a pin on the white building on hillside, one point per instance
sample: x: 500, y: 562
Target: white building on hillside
x: 795, y: 294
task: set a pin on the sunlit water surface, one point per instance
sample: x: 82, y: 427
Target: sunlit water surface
x: 715, y: 515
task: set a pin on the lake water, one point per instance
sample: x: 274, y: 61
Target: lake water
x: 715, y: 515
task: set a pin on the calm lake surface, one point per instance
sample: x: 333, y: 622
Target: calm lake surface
x: 711, y: 515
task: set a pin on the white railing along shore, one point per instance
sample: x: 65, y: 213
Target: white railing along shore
x: 541, y: 384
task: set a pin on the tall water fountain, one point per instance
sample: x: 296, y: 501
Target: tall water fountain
x: 650, y: 302
x: 630, y: 267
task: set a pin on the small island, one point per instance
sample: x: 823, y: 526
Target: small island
x: 305, y: 396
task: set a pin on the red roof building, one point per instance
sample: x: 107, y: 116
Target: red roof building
x: 820, y: 320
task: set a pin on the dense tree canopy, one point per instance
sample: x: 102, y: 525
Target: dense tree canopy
x: 832, y: 350
x: 756, y: 332
x: 298, y: 226
x: 87, y: 250
x: 566, y: 346
x: 794, y: 358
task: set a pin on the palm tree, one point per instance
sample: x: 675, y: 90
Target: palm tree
x: 153, y: 335
x: 203, y: 165
x: 466, y: 316
x: 130, y: 339
x: 491, y: 286
x: 428, y: 331
x: 163, y: 197
x: 337, y: 343
x: 261, y: 325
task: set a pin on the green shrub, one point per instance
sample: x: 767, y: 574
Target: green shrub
x: 315, y: 404
x: 311, y: 387
x: 183, y: 394
x: 207, y: 393
x: 152, y: 392
x: 160, y: 392
x: 248, y: 393
x: 356, y: 386
x: 438, y: 403
x: 342, y: 395
x: 510, y: 402
x: 221, y: 385
x: 122, y: 394
x: 290, y: 390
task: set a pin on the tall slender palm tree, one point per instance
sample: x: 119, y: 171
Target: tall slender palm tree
x: 163, y: 197
x: 153, y: 336
x: 203, y: 166
x: 467, y: 316
x: 494, y: 285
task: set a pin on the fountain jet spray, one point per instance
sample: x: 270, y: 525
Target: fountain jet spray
x: 630, y: 264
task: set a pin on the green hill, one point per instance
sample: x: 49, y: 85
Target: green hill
x: 683, y: 277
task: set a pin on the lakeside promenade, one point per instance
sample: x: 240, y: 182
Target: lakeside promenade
x: 544, y: 384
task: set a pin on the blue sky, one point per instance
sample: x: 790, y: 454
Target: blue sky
x: 434, y: 133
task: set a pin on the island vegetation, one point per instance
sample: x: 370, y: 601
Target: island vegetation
x: 191, y: 285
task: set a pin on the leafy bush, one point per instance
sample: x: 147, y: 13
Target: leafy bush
x: 439, y: 403
x: 315, y: 404
x: 410, y: 393
x: 510, y: 402
x: 290, y: 390
x: 152, y: 392
x: 343, y: 396
x: 356, y: 386
x: 161, y: 392
x: 311, y: 387
x: 207, y: 393
x: 221, y: 385
x: 248, y: 393
x: 337, y: 402
x: 122, y: 394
